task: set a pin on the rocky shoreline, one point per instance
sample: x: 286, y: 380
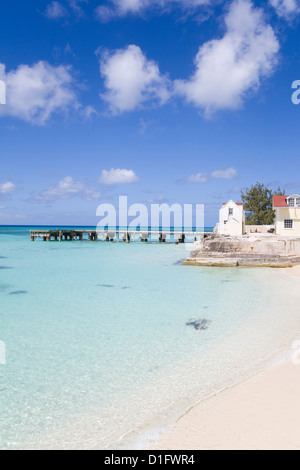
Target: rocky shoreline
x: 247, y: 251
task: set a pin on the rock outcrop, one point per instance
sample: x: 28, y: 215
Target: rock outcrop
x: 248, y: 251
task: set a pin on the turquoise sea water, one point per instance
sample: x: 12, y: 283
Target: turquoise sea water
x: 98, y: 351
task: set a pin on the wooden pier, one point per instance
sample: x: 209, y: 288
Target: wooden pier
x: 126, y: 236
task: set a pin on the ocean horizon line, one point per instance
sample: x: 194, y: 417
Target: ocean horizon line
x: 94, y: 227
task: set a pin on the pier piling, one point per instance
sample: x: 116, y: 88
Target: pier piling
x: 114, y: 235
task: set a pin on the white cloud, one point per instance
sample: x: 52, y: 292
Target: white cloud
x: 118, y: 177
x: 199, y: 178
x: 132, y: 80
x: 7, y: 188
x: 104, y: 13
x: 228, y: 174
x: 286, y: 8
x: 125, y: 7
x: 55, y: 10
x: 89, y: 112
x: 34, y: 93
x: 68, y: 188
x: 228, y: 68
x: 75, y: 6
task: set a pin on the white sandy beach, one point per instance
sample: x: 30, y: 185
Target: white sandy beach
x: 295, y: 272
x: 261, y: 413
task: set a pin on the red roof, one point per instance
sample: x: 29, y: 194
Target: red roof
x: 280, y: 201
x: 237, y: 203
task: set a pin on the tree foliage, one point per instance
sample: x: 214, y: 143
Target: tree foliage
x: 258, y: 204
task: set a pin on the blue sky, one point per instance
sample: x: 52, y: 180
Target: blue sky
x: 178, y: 101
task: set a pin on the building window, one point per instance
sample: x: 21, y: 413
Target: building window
x: 291, y: 202
x: 298, y: 202
x: 230, y: 211
x: 288, y: 224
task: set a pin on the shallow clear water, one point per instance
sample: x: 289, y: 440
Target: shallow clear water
x: 98, y: 351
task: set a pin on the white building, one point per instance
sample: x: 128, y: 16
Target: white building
x: 287, y: 209
x: 232, y: 220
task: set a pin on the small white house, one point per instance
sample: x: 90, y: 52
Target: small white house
x: 232, y: 220
x: 287, y: 209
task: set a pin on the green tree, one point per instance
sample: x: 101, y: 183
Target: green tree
x: 258, y: 204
